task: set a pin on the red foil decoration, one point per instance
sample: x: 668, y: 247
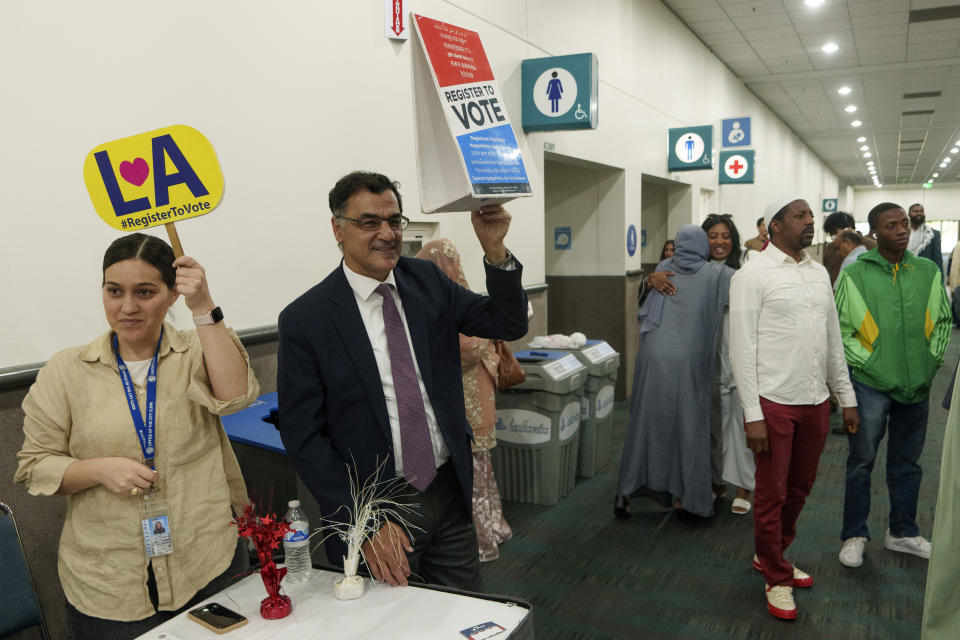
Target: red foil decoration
x: 267, y: 533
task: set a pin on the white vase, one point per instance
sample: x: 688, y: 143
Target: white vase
x: 349, y: 588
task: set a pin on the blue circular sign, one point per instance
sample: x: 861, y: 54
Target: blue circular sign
x: 631, y: 240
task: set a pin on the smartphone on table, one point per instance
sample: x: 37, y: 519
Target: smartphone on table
x: 216, y: 617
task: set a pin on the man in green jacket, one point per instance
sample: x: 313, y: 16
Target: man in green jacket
x: 895, y: 323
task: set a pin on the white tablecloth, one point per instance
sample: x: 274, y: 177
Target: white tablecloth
x: 382, y: 612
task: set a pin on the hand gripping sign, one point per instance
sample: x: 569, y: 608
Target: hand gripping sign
x: 154, y: 178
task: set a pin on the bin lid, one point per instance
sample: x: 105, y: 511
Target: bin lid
x: 555, y: 365
x: 598, y: 351
x: 593, y: 353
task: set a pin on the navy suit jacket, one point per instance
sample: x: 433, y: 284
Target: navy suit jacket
x: 331, y: 405
x: 932, y: 251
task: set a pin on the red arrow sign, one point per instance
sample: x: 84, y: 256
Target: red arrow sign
x: 398, y: 17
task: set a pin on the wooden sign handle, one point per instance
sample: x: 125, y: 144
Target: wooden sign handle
x: 174, y: 239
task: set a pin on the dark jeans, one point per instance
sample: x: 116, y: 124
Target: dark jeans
x: 83, y: 627
x: 908, y: 428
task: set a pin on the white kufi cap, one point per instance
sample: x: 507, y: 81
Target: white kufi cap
x: 774, y: 207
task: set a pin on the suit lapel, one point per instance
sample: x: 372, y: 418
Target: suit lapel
x: 349, y: 325
x: 414, y: 308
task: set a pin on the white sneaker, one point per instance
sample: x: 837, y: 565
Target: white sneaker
x: 780, y: 602
x: 917, y: 545
x: 851, y: 553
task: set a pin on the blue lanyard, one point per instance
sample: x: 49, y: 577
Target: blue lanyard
x: 145, y: 432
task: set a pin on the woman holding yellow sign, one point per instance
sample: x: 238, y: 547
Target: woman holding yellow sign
x: 127, y: 428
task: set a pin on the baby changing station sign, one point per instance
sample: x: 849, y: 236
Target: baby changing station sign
x: 476, y: 160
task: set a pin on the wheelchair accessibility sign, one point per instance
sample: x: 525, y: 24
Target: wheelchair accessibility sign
x: 559, y: 92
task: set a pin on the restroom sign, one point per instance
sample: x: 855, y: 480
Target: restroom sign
x: 690, y: 148
x: 153, y: 178
x: 736, y: 167
x: 559, y: 92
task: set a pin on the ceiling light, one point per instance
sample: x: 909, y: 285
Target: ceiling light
x: 943, y: 165
x: 870, y: 163
x: 947, y: 159
x: 879, y: 186
x: 862, y: 139
x: 830, y: 47
x: 855, y: 123
x: 850, y: 108
x: 867, y: 154
x: 954, y: 150
x: 864, y: 148
x: 845, y: 91
x: 813, y: 3
x: 936, y: 175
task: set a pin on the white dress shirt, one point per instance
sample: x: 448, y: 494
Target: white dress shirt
x: 370, y: 304
x: 785, y: 340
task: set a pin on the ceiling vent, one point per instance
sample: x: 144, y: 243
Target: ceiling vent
x: 922, y: 94
x: 921, y: 112
x: 938, y: 13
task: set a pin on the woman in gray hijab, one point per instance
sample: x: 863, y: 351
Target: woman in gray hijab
x: 667, y: 449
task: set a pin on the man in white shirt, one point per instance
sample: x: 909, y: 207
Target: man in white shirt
x: 787, y: 356
x: 369, y: 380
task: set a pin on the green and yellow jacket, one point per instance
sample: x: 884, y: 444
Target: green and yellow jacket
x: 895, y: 322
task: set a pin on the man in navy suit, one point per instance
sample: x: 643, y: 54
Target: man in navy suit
x: 347, y: 385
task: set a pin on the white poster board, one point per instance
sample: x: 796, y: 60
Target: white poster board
x: 475, y: 158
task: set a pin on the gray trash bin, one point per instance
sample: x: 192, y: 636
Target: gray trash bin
x: 535, y: 460
x: 596, y: 416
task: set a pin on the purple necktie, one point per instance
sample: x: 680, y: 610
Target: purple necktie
x: 419, y: 466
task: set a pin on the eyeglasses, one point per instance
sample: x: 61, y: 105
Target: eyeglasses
x: 720, y: 216
x: 370, y: 222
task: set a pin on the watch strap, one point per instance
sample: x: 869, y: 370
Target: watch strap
x: 213, y: 317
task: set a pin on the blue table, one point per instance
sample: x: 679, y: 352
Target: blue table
x: 247, y: 426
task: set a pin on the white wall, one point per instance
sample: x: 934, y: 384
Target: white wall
x: 939, y: 202
x: 295, y: 93
x: 588, y: 200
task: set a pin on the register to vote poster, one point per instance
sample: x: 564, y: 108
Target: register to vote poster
x: 474, y: 108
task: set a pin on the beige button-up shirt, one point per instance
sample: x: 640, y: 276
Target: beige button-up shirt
x: 77, y: 410
x: 785, y: 340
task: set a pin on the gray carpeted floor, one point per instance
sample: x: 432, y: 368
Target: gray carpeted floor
x: 589, y: 575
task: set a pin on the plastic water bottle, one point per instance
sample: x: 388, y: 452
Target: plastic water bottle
x: 296, y: 544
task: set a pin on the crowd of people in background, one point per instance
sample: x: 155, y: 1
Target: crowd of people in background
x: 786, y: 340
x: 743, y: 351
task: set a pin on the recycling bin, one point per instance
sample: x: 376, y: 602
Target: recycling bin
x: 596, y: 414
x: 538, y: 423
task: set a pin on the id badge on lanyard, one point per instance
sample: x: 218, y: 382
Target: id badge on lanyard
x: 154, y: 510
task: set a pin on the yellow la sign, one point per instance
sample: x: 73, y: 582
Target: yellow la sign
x: 153, y: 178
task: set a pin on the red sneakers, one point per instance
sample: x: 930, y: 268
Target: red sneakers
x: 801, y: 579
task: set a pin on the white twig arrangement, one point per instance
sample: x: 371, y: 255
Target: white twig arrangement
x: 374, y: 502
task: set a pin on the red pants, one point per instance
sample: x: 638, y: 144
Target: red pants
x: 785, y: 476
